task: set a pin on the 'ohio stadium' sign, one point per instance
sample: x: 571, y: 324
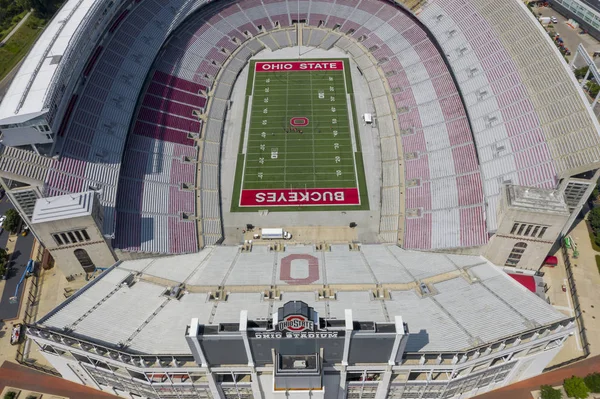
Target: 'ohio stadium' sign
x: 295, y: 197
x: 302, y: 335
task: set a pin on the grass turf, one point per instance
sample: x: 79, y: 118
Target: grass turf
x: 321, y: 156
x: 19, y: 44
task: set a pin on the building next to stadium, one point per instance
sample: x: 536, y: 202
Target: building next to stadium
x: 120, y: 136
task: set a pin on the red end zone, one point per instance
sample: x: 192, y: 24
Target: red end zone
x: 286, y: 66
x: 295, y: 197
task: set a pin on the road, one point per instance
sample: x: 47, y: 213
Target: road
x: 18, y: 260
x: 4, y: 206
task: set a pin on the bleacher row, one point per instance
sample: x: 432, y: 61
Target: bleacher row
x: 520, y: 117
x: 440, y: 160
x: 94, y: 139
x: 158, y: 174
x: 198, y: 51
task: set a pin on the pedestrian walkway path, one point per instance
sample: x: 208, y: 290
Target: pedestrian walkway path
x: 16, y: 28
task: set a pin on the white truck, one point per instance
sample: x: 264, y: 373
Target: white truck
x: 275, y: 234
x: 545, y: 20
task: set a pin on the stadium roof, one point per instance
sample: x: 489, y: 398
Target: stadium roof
x: 63, y: 207
x: 470, y: 301
x: 27, y: 92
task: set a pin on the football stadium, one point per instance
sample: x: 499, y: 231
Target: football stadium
x: 298, y: 198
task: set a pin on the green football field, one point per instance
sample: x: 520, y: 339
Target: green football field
x: 299, y: 147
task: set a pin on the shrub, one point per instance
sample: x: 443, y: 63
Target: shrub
x: 575, y: 388
x: 593, y: 380
x: 550, y: 393
x: 593, y: 88
x: 10, y: 395
x: 594, y: 219
x: 581, y: 72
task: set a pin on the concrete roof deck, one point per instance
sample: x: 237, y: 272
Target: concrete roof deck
x: 465, y: 291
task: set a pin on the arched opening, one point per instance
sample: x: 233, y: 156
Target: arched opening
x: 516, y: 254
x: 84, y: 260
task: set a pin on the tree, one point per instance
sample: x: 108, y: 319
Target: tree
x: 12, y: 220
x: 550, y: 393
x: 10, y: 395
x: 581, y: 72
x: 592, y: 381
x: 594, y: 219
x: 575, y: 388
x: 593, y: 88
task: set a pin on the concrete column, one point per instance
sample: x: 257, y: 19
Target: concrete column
x: 348, y: 336
x: 595, y: 100
x: 585, y: 78
x: 244, y: 332
x: 384, y: 384
x: 192, y: 340
x: 342, y: 388
x: 215, y: 389
x: 399, y: 342
x: 256, y: 391
x: 572, y: 63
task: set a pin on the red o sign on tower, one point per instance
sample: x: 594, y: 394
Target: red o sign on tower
x: 296, y: 323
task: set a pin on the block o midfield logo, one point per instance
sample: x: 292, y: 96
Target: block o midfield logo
x: 296, y: 324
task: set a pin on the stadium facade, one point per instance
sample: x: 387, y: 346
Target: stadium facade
x: 121, y: 133
x: 371, y: 321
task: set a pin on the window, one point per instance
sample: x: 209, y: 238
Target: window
x: 71, y: 237
x: 515, y: 254
x: 84, y: 259
x: 528, y: 230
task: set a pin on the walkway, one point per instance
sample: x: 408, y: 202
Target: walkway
x: 12, y: 32
x: 522, y: 390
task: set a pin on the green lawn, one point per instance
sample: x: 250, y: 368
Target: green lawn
x: 15, y: 20
x: 274, y: 154
x: 19, y: 44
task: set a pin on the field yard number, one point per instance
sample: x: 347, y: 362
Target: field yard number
x: 263, y: 135
x: 331, y: 78
x: 332, y: 98
x: 262, y: 147
x: 260, y: 175
x: 261, y: 161
x: 266, y: 100
x: 332, y: 109
x: 264, y: 122
x: 266, y: 111
x: 266, y: 89
x: 335, y: 133
x: 338, y: 172
x: 336, y: 146
x: 338, y: 159
x: 268, y: 81
x: 331, y: 88
x: 334, y: 121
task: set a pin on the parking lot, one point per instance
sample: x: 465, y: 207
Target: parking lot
x: 571, y: 37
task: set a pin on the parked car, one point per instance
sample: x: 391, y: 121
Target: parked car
x: 554, y: 19
x: 2, y: 219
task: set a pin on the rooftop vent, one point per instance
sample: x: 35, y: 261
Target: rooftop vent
x: 218, y: 296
